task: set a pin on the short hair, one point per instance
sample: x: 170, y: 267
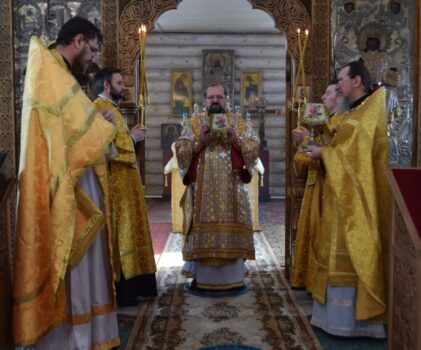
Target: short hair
x: 213, y: 85
x: 104, y: 75
x: 358, y: 68
x: 333, y: 81
x: 77, y: 25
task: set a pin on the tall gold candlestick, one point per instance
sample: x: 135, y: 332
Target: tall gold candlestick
x: 142, y: 97
x: 299, y: 41
x: 141, y: 58
x: 304, y: 50
x: 140, y: 92
x: 296, y: 102
x: 307, y: 32
x: 294, y: 92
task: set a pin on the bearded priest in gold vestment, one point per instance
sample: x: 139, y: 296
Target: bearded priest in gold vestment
x: 352, y: 252
x: 217, y: 154
x: 63, y: 281
x: 134, y: 254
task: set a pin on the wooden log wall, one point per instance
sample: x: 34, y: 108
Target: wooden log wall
x: 262, y: 52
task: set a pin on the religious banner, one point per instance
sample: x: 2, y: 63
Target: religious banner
x: 169, y: 134
x: 181, y: 92
x: 251, y: 89
x: 218, y: 68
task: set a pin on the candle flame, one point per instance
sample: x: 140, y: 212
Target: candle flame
x: 307, y: 32
x: 298, y: 30
x: 143, y: 28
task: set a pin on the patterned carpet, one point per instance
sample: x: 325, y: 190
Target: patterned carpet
x: 266, y: 317
x: 161, y: 324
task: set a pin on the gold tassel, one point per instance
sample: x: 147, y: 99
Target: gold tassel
x: 166, y: 180
x: 261, y: 181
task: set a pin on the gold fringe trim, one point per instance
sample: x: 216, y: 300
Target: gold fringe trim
x: 35, y: 340
x: 78, y: 134
x: 89, y: 233
x: 220, y: 286
x: 217, y: 262
x: 95, y: 158
x: 224, y: 228
x: 85, y: 318
x: 37, y: 292
x: 110, y: 344
x: 57, y: 108
x: 212, y: 254
x: 85, y: 241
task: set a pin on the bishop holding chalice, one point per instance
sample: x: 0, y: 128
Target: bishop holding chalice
x: 216, y: 161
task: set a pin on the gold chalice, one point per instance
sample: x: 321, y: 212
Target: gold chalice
x: 313, y: 114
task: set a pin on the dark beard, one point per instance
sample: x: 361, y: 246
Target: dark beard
x: 116, y: 97
x: 78, y: 67
x: 215, y: 108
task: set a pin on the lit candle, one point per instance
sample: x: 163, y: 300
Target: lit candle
x: 303, y: 56
x: 142, y: 34
x: 306, y: 38
x: 140, y: 63
x: 294, y: 92
x: 142, y: 97
x: 300, y: 47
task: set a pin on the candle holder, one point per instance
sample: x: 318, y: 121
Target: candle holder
x: 296, y: 102
x: 142, y: 107
x: 143, y: 98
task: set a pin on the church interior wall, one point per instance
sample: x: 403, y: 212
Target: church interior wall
x: 265, y: 53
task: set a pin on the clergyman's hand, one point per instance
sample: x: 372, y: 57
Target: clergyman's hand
x: 108, y: 115
x: 205, y: 135
x: 138, y: 134
x: 299, y: 133
x: 232, y: 137
x: 313, y: 152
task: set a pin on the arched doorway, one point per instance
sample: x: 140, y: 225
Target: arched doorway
x: 288, y: 16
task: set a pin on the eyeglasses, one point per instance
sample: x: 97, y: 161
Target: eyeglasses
x: 340, y: 80
x: 218, y: 97
x: 94, y: 49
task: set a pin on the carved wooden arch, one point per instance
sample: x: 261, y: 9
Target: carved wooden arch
x: 287, y: 14
x: 137, y: 12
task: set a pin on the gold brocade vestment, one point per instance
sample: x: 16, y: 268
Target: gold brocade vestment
x: 129, y: 215
x: 62, y: 136
x: 304, y: 268
x: 352, y: 249
x: 217, y: 213
x: 177, y: 191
